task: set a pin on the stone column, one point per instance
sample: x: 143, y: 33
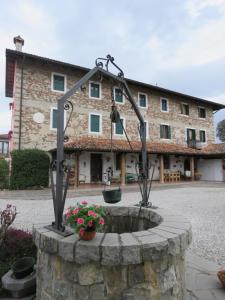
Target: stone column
x: 123, y: 169
x: 161, y: 177
x: 76, y: 170
x: 192, y: 165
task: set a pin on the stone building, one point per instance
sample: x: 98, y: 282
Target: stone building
x: 180, y: 133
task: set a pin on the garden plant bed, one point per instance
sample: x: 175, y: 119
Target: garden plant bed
x: 133, y: 259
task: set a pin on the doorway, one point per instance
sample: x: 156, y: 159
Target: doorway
x: 96, y: 167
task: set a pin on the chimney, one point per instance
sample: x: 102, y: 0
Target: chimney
x: 19, y: 42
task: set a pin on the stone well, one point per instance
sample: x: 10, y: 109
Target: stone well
x: 131, y: 261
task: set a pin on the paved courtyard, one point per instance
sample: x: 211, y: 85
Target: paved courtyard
x: 202, y: 203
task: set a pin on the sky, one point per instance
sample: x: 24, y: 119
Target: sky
x: 176, y: 44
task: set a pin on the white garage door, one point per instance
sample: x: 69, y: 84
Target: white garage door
x: 211, y: 169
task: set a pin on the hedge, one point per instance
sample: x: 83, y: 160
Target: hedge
x: 4, y: 174
x: 30, y: 169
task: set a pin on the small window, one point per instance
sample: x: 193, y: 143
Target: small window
x: 95, y: 123
x: 165, y: 132
x: 94, y: 91
x: 191, y: 134
x: 201, y: 112
x: 202, y: 136
x: 58, y: 83
x: 118, y: 95
x: 164, y: 105
x: 5, y: 147
x: 142, y: 100
x: 185, y: 109
x: 119, y: 127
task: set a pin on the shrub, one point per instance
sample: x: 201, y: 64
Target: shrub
x: 30, y: 168
x: 4, y: 174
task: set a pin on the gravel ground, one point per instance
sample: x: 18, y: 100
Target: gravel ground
x: 203, y: 206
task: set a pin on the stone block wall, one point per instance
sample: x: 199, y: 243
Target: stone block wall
x: 141, y: 265
x: 38, y: 97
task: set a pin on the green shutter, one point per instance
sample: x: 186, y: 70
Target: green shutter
x: 142, y: 100
x: 95, y: 90
x: 95, y: 123
x: 54, y: 118
x: 169, y: 132
x: 58, y: 83
x: 118, y: 95
x: 161, y: 131
x: 119, y: 128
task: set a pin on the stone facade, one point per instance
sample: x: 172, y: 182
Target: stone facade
x: 38, y: 97
x: 138, y: 265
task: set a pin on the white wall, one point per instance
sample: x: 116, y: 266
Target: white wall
x: 154, y: 160
x: 84, y: 165
x: 177, y: 163
x: 211, y: 169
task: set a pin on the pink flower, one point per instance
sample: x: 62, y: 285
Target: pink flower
x: 80, y: 221
x: 84, y: 202
x: 75, y: 211
x: 81, y: 231
x: 90, y: 223
x: 91, y: 213
x: 68, y: 214
x: 101, y: 221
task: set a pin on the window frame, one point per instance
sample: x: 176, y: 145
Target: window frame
x: 52, y: 82
x: 51, y: 118
x: 186, y: 137
x: 4, y: 143
x: 100, y: 90
x: 124, y: 125
x: 114, y: 94
x: 162, y: 138
x: 201, y: 107
x: 167, y: 100
x: 200, y: 136
x: 89, y: 123
x: 146, y: 98
x: 183, y: 103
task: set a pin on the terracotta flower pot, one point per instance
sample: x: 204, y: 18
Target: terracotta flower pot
x: 221, y: 276
x: 87, y: 235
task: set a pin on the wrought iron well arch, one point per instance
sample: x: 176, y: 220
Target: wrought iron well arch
x: 61, y: 166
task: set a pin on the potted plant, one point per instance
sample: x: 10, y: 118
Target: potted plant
x: 86, y: 220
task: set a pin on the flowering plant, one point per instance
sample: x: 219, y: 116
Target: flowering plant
x: 85, y: 218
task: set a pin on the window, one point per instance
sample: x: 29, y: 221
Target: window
x: 191, y: 134
x: 118, y: 95
x: 201, y: 112
x: 54, y: 118
x: 95, y: 90
x: 119, y: 127
x: 202, y: 136
x: 4, y: 147
x: 142, y: 100
x: 58, y: 82
x: 95, y: 123
x: 147, y: 131
x: 164, y: 104
x: 165, y: 132
x: 184, y: 109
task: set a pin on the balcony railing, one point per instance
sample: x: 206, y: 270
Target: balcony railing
x: 195, y: 144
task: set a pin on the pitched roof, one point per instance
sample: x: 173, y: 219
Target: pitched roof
x: 12, y: 55
x: 96, y: 144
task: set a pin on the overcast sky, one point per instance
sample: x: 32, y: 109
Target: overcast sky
x: 176, y: 44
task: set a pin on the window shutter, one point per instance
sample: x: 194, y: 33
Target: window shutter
x: 59, y: 83
x: 181, y: 109
x: 54, y: 118
x: 95, y: 123
x: 169, y: 132
x: 161, y: 131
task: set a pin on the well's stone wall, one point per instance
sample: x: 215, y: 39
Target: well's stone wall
x: 138, y: 265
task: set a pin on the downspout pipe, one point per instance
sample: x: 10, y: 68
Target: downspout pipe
x: 21, y: 101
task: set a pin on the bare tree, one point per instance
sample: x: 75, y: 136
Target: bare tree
x: 220, y: 130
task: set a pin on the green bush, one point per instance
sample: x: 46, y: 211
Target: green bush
x: 4, y: 174
x: 30, y: 169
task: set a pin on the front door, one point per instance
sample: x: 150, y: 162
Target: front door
x: 96, y: 167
